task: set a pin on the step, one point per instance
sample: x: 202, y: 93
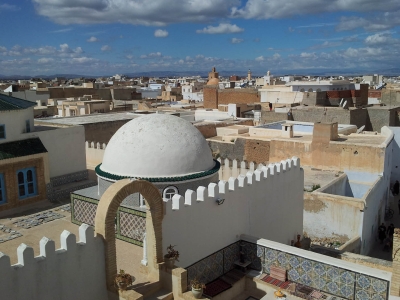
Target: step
x: 149, y: 288
x: 161, y: 294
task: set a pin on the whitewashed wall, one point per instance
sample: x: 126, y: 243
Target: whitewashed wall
x: 211, y: 115
x: 395, y: 164
x: 75, y: 271
x: 66, y: 147
x: 94, y: 153
x: 15, y: 121
x: 267, y: 203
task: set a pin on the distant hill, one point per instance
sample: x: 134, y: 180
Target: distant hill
x: 225, y: 73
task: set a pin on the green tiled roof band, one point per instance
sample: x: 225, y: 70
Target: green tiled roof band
x: 12, y: 103
x: 107, y: 175
x: 21, y: 148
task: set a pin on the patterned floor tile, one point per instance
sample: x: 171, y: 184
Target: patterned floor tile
x: 347, y: 277
x: 319, y: 269
x: 319, y: 283
x: 347, y: 291
x: 379, y: 286
x: 362, y: 295
x: 306, y: 265
x: 332, y: 287
x: 333, y: 274
x: 294, y: 261
x: 293, y: 275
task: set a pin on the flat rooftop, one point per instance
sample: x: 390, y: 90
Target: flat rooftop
x: 315, y: 176
x: 89, y: 119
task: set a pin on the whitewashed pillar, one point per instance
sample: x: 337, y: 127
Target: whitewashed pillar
x: 144, y: 260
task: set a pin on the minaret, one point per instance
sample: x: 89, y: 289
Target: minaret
x: 249, y: 75
x: 213, y: 74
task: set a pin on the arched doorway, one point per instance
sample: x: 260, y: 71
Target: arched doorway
x: 106, y: 213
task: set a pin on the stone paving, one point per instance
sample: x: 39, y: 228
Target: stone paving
x: 37, y: 219
x: 10, y: 234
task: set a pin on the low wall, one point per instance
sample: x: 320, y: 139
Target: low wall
x: 210, y: 129
x: 75, y: 271
x: 334, y: 276
x: 258, y: 202
x: 247, y: 149
x: 340, y: 278
x: 94, y: 153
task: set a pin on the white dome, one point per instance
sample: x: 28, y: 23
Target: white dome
x: 157, y: 145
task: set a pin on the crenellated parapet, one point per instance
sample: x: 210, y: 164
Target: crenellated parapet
x: 265, y: 202
x: 95, y: 145
x: 255, y: 175
x: 64, y: 273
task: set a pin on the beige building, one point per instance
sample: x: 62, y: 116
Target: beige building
x: 350, y: 205
x: 68, y: 108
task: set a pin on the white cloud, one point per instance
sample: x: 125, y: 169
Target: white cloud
x: 316, y: 25
x: 92, y: 39
x: 221, y: 28
x: 375, y: 22
x: 105, y: 48
x: 260, y: 58
x: 159, y: 13
x: 236, y: 41
x: 45, y: 60
x: 82, y: 60
x: 307, y: 55
x: 262, y: 9
x: 380, y: 38
x: 160, y: 33
x: 8, y: 7
x: 151, y: 55
x: 61, y: 30
x: 276, y: 56
x: 326, y: 44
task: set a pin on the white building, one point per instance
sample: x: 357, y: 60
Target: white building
x: 174, y: 156
x: 33, y: 160
x: 193, y: 91
x: 321, y: 85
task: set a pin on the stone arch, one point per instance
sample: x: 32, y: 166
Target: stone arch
x: 107, y: 211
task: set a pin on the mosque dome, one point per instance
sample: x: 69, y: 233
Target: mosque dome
x: 157, y: 146
x: 213, y: 81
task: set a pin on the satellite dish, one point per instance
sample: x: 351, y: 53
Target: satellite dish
x: 359, y: 130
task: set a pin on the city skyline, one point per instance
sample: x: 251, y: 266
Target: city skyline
x: 117, y: 36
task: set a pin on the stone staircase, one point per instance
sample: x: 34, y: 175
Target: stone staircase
x: 154, y: 291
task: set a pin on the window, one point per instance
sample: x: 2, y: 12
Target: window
x: 26, y: 183
x: 142, y: 201
x: 2, y: 131
x: 169, y: 192
x: 2, y: 189
x: 27, y: 126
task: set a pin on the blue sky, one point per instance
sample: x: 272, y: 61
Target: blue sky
x: 105, y: 37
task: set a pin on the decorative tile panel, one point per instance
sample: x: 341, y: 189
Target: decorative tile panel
x: 253, y: 253
x: 208, y: 269
x: 327, y: 278
x: 341, y: 283
x: 132, y: 226
x: 370, y: 288
x: 84, y: 211
x: 231, y: 254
